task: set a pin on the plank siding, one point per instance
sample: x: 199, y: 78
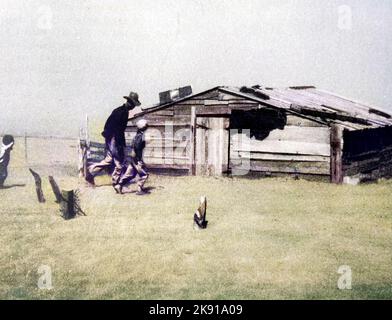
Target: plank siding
x: 277, y: 156
x: 293, y: 150
x: 321, y: 168
x: 225, y: 96
x: 209, y: 95
x: 293, y: 120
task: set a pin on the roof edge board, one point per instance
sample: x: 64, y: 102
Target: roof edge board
x: 362, y: 104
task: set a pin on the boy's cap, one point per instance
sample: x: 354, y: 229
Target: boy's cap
x: 141, y: 124
x: 7, y: 139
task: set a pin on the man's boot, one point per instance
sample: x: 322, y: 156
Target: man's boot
x: 89, y: 179
x: 118, y: 188
x: 141, y: 191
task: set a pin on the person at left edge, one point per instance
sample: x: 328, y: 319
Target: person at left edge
x: 5, y: 155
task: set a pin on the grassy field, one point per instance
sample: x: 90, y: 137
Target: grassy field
x: 266, y: 239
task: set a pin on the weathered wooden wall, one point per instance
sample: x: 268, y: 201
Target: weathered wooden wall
x: 368, y: 153
x: 302, y: 147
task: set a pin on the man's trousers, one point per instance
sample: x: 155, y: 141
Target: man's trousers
x: 3, y: 174
x: 114, y: 155
x: 135, y: 168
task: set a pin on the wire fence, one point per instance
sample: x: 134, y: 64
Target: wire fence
x: 48, y: 154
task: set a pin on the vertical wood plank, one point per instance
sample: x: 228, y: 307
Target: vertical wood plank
x: 225, y: 146
x: 87, y: 132
x: 214, y: 148
x: 207, y: 143
x: 80, y: 158
x: 86, y: 151
x: 81, y: 154
x: 192, y: 168
x: 217, y: 146
x: 200, y: 146
x: 336, y: 154
x: 84, y: 159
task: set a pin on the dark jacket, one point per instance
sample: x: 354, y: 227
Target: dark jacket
x: 116, y: 124
x: 4, y: 161
x: 138, y: 144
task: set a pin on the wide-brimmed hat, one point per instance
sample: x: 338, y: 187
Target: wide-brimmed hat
x: 134, y: 97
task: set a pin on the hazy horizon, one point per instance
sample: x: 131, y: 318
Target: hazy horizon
x: 63, y: 60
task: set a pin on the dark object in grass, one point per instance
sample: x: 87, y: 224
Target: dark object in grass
x: 69, y: 206
x: 10, y: 186
x: 89, y: 179
x: 199, y: 217
x: 68, y: 199
x: 142, y: 192
x: 38, y: 186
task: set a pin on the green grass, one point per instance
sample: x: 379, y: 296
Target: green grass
x: 266, y: 239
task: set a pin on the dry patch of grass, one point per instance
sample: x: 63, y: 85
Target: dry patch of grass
x: 267, y: 238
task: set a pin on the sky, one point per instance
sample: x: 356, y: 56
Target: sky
x: 62, y: 60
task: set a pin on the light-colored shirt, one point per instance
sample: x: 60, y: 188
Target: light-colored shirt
x: 4, y: 150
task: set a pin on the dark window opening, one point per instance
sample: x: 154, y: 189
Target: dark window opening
x: 260, y: 122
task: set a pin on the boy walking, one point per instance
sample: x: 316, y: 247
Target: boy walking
x: 136, y: 167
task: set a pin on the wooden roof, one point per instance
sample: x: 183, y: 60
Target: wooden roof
x: 307, y: 101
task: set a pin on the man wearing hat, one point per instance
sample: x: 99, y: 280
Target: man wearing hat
x: 114, y: 134
x: 136, y: 167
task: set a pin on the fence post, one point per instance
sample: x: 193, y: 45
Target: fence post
x: 80, y: 154
x: 25, y: 148
x: 56, y: 189
x: 82, y: 151
x: 85, y: 152
x: 87, y: 132
x: 87, y: 148
x: 336, y: 142
x: 38, y: 186
x: 68, y: 205
x: 192, y: 160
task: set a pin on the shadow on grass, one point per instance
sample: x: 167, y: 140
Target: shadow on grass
x: 147, y: 190
x: 127, y: 190
x: 12, y: 186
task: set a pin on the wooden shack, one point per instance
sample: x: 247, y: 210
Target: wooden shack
x: 300, y: 131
